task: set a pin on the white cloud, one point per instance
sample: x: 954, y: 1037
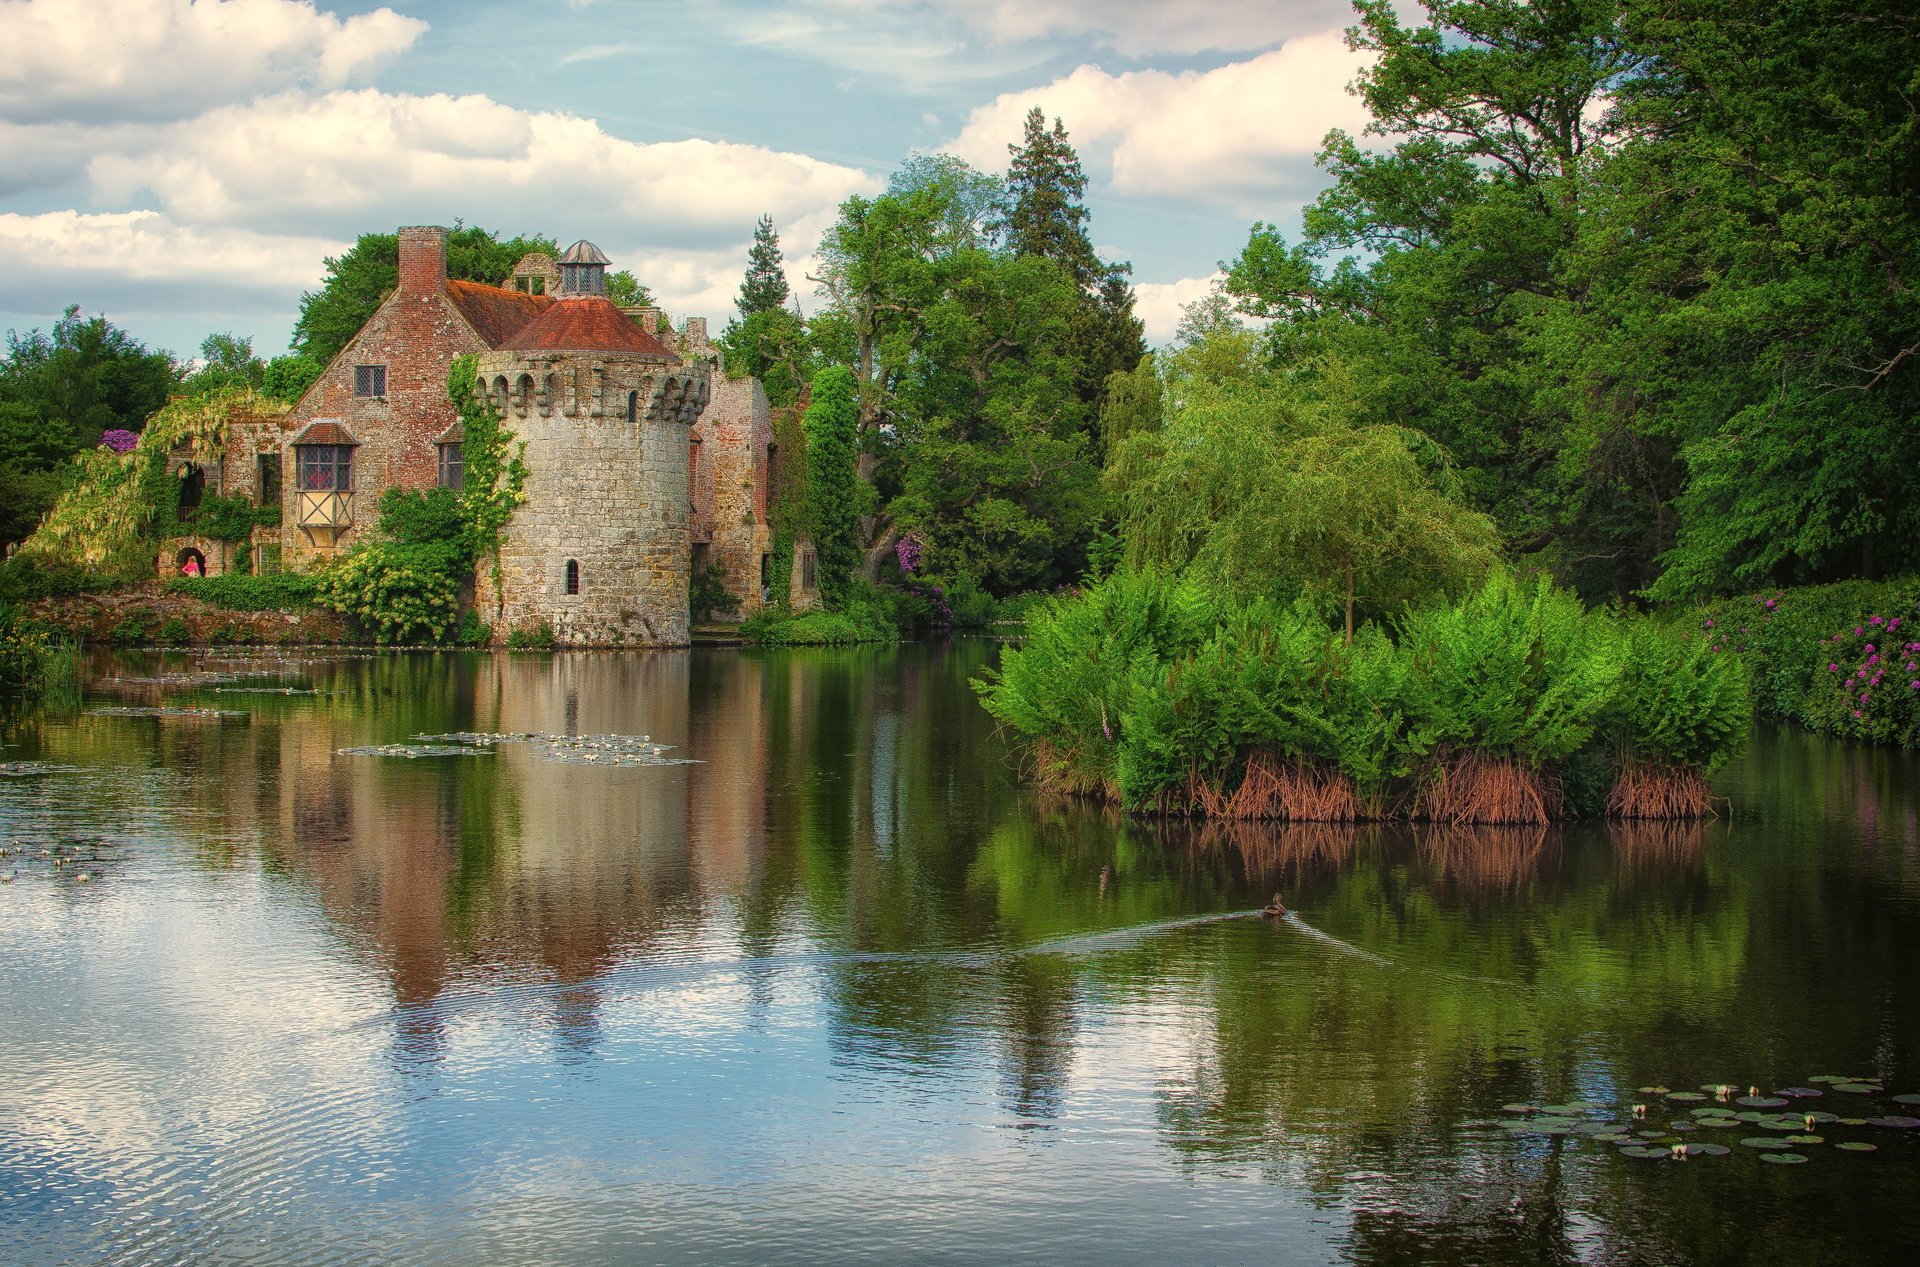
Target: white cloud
x: 109, y: 60
x: 1244, y: 131
x: 1139, y: 28
x: 1159, y: 304
x: 345, y: 162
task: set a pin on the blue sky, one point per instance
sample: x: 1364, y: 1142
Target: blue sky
x: 186, y: 165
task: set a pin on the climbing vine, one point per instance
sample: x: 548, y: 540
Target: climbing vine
x: 787, y: 498
x: 496, y: 478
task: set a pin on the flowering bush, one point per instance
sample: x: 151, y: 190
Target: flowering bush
x: 1815, y: 651
x: 119, y: 440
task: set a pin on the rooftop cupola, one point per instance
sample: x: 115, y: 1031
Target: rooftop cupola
x: 583, y: 270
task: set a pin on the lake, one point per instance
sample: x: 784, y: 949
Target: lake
x: 769, y: 957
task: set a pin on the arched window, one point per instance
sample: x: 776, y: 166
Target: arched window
x: 633, y: 406
x: 573, y: 576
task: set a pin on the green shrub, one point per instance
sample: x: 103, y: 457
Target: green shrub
x: 141, y: 625
x: 531, y: 638
x: 396, y: 592
x: 708, y: 595
x: 174, y: 632
x: 1788, y: 638
x: 473, y: 631
x: 239, y: 591
x: 814, y: 629
x: 1071, y: 684
x: 1513, y: 669
x: 1680, y: 701
x: 33, y: 658
x: 26, y: 578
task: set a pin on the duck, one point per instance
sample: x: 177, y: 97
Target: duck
x: 1275, y: 909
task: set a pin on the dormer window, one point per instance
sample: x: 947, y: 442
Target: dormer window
x: 370, y: 382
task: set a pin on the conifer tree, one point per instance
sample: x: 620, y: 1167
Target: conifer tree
x: 764, y: 289
x: 1046, y: 216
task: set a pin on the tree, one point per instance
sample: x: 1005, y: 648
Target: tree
x: 764, y: 289
x: 358, y: 281
x: 226, y: 360
x: 834, y: 494
x: 58, y: 392
x: 624, y: 289
x: 1045, y: 215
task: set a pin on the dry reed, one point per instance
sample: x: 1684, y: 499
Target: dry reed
x: 1275, y: 789
x: 1492, y: 790
x: 1652, y: 791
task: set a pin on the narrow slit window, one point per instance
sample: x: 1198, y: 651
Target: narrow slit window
x: 268, y: 484
x: 573, y: 576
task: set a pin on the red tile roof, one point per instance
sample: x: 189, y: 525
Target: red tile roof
x: 324, y: 431
x: 496, y: 315
x: 587, y: 323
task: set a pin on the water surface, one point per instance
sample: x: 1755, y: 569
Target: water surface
x: 843, y: 991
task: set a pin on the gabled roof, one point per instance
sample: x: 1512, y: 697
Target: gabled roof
x: 587, y: 323
x: 324, y: 431
x: 496, y: 315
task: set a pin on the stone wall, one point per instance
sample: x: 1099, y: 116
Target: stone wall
x: 606, y: 490
x: 730, y: 491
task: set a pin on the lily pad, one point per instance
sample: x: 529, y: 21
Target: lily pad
x: 1687, y: 1097
x: 1721, y: 1123
x: 1762, y: 1101
x: 1802, y: 1140
x: 1783, y: 1159
x: 1858, y: 1088
x: 1858, y: 1146
x: 1708, y: 1150
x: 1818, y: 1116
x: 1828, y: 1077
x: 1896, y: 1121
x: 1750, y: 1116
x: 1799, y: 1093
x: 1683, y: 1126
x: 1763, y: 1142
x: 1789, y: 1125
x: 1653, y: 1090
x: 1614, y: 1138
x: 1519, y: 1108
x: 1635, y: 1150
x: 1851, y: 1121
x: 1906, y: 1099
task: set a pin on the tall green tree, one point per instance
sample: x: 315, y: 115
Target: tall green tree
x: 1045, y: 215
x: 358, y: 281
x: 764, y: 289
x: 835, y: 496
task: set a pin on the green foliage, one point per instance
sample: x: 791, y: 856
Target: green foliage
x: 27, y: 577
x: 1156, y: 692
x: 1681, y: 700
x: 137, y: 627
x: 708, y: 595
x: 1071, y: 684
x: 230, y: 519
x: 625, y: 289
x: 404, y: 584
x: 537, y: 637
x: 359, y: 280
x: 835, y: 498
x: 33, y: 658
x: 237, y: 591
x: 1806, y: 650
x: 473, y: 631
x: 1513, y: 669
x: 786, y: 500
x: 116, y: 507
x: 174, y: 632
x: 1640, y: 270
x: 286, y: 378
x: 764, y: 289
x: 820, y: 628
x: 1261, y: 489
x: 772, y: 346
x: 58, y: 392
x: 226, y: 361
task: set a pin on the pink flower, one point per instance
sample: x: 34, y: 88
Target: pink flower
x: 1913, y: 686
x: 1709, y: 624
x: 1833, y: 668
x: 1857, y: 631
x: 1856, y: 712
x: 1893, y: 624
x: 1869, y: 648
x: 1769, y: 604
x: 1875, y: 620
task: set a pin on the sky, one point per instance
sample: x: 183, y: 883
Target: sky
x: 186, y: 166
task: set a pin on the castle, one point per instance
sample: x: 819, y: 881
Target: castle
x: 645, y: 462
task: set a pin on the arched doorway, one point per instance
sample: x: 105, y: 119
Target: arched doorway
x: 190, y: 562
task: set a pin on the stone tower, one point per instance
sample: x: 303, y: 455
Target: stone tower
x: 599, y: 551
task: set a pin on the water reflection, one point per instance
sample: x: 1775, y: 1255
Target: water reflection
x: 845, y: 968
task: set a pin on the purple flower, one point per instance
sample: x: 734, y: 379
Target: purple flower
x: 1833, y: 668
x: 118, y: 440
x: 1709, y: 624
x: 1875, y: 620
x: 1856, y: 712
x: 1863, y: 697
x: 1857, y: 631
x: 1913, y: 686
x: 907, y: 551
x: 1769, y: 604
x: 1869, y: 648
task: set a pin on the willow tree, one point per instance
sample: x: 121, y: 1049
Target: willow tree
x: 1256, y: 491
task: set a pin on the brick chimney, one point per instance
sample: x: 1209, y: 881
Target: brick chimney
x: 423, y: 259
